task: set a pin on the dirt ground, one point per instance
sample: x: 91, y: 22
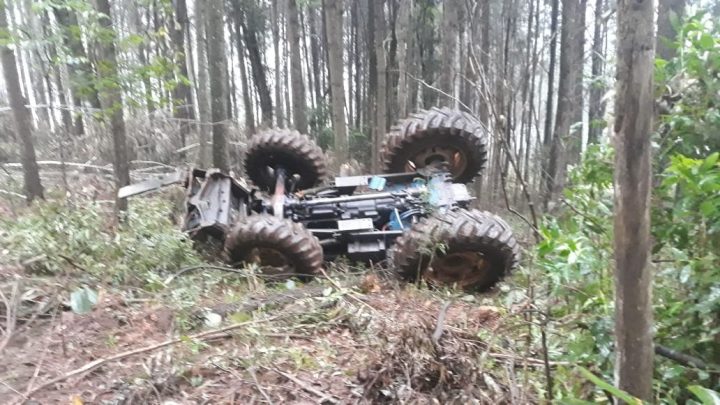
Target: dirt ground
x: 363, y: 339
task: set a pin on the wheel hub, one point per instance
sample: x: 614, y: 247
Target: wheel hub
x: 271, y: 261
x: 461, y: 269
x: 453, y: 157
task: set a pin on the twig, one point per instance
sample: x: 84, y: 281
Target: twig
x: 242, y: 273
x: 99, y: 362
x: 258, y: 386
x: 323, y: 396
x: 11, y: 312
x: 440, y: 323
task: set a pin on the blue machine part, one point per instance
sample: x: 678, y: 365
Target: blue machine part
x: 399, y: 222
x: 377, y: 183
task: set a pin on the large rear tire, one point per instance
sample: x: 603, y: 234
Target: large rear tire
x: 276, y: 245
x: 297, y: 154
x: 467, y: 249
x: 438, y: 135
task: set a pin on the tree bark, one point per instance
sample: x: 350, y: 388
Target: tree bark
x: 21, y: 115
x: 666, y: 33
x: 449, y: 36
x: 315, y: 52
x: 247, y: 101
x: 549, y: 105
x: 182, y: 98
x: 403, y: 34
x: 252, y: 45
x: 215, y: 29
x: 565, y: 144
x: 279, y: 114
x: 380, y: 104
x: 334, y: 23
x: 203, y: 78
x: 111, y: 98
x: 633, y: 126
x: 597, y: 86
x: 298, y: 87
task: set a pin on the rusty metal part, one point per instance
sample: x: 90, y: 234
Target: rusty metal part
x: 274, y: 243
x: 468, y: 249
x: 302, y: 160
x: 427, y: 138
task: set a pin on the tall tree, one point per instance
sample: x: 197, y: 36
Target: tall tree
x: 403, y: 39
x: 21, y: 114
x: 279, y: 115
x: 380, y: 105
x: 298, y: 87
x: 249, y: 22
x: 633, y: 126
x: 203, y: 78
x: 549, y: 103
x: 182, y: 98
x: 215, y: 30
x: 110, y: 92
x: 334, y: 23
x: 565, y: 145
x: 597, y: 86
x: 449, y: 38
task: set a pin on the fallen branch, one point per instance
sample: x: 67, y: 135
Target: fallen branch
x: 684, y: 359
x: 440, y: 323
x: 99, y: 362
x: 59, y: 163
x: 307, y: 387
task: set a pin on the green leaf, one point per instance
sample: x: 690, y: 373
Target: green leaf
x: 616, y: 392
x: 706, y: 41
x: 705, y: 395
x: 82, y: 300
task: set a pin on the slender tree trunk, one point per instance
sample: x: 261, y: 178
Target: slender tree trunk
x: 633, y: 126
x: 315, y: 52
x: 247, y: 101
x: 381, y: 88
x: 403, y: 34
x: 215, y: 29
x: 485, y: 62
x: 21, y: 115
x: 203, y: 84
x: 252, y: 45
x: 449, y: 35
x: 334, y: 23
x: 182, y: 98
x: 666, y: 33
x: 308, y: 59
x: 298, y: 87
x: 111, y: 98
x: 597, y: 87
x: 549, y: 105
x: 279, y: 114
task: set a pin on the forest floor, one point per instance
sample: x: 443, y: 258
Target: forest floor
x: 358, y: 338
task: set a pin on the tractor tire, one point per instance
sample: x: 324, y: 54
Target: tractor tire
x: 279, y: 246
x: 467, y: 249
x: 285, y: 148
x: 445, y: 135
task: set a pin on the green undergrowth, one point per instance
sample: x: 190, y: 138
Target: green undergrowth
x: 84, y: 240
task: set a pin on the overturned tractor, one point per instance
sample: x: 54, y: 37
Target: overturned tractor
x: 416, y: 214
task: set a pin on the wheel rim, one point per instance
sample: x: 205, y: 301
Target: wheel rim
x: 455, y: 159
x: 461, y: 269
x: 271, y: 261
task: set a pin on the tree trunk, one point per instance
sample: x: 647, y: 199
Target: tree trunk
x: 666, y: 33
x: 565, y: 145
x: 315, y: 52
x: 449, y: 35
x: 203, y: 79
x: 334, y: 23
x: 250, y: 37
x: 381, y: 88
x: 485, y: 64
x: 111, y: 99
x: 549, y: 105
x: 279, y: 114
x: 597, y: 86
x: 633, y: 126
x: 21, y: 115
x: 247, y: 101
x: 182, y: 98
x: 403, y: 34
x: 217, y: 59
x: 298, y: 87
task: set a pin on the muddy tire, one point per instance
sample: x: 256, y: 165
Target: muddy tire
x: 467, y: 249
x: 445, y: 135
x: 277, y: 245
x: 289, y: 149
